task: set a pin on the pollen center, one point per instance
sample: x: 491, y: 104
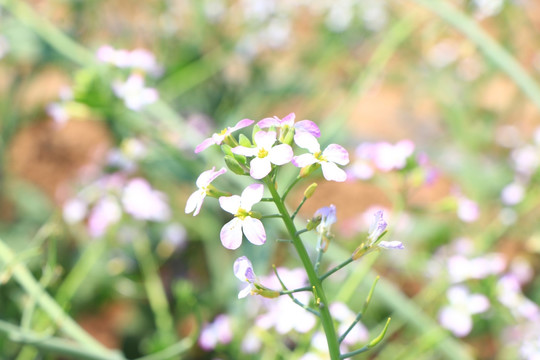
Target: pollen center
x: 241, y: 214
x: 318, y: 156
x: 223, y: 132
x: 262, y: 153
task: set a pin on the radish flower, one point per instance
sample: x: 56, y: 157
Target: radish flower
x: 196, y: 199
x: 243, y: 222
x: 217, y: 139
x: 304, y: 126
x: 243, y: 270
x: 332, y: 155
x: 265, y: 154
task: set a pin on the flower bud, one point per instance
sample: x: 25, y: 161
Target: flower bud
x: 307, y: 170
x: 310, y: 190
x: 234, y: 166
x: 360, y: 251
x: 244, y: 141
x: 287, y: 136
x: 267, y: 293
x: 230, y: 140
x: 255, y: 214
x: 313, y: 223
x: 256, y: 129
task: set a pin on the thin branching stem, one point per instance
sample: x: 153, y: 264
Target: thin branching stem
x: 338, y: 267
x: 298, y: 208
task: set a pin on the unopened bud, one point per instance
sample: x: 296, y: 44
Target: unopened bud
x: 256, y: 129
x: 267, y: 293
x: 230, y: 140
x: 287, y: 136
x: 307, y: 170
x: 212, y: 191
x: 234, y: 166
x: 310, y: 190
x: 226, y: 149
x: 313, y: 223
x: 360, y: 251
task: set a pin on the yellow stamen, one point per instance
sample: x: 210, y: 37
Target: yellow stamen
x: 262, y: 153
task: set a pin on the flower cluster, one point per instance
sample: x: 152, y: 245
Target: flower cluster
x: 262, y: 156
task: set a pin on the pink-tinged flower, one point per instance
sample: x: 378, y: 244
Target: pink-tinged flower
x: 377, y: 226
x: 203, y: 182
x: 144, y: 203
x: 74, y: 210
x: 217, y: 332
x: 467, y: 210
x: 304, y: 126
x: 105, y: 213
x: 217, y: 138
x: 265, y: 154
x: 388, y: 157
x: 512, y: 194
x: 391, y: 245
x: 134, y: 93
x: 332, y: 155
x: 240, y: 207
x: 243, y: 270
x: 328, y: 217
x: 456, y: 317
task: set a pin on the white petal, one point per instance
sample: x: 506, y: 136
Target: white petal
x: 280, y: 154
x: 240, y: 266
x: 477, y: 303
x: 230, y: 204
x: 332, y: 172
x: 231, y: 234
x: 246, y: 151
x: 251, y: 195
x: 304, y: 160
x: 265, y: 139
x: 456, y: 321
x: 254, y: 230
x: 267, y: 122
x: 195, y: 202
x: 260, y: 167
x: 205, y: 144
x: 307, y: 141
x: 336, y: 154
x: 208, y: 176
x: 244, y: 292
x: 240, y: 125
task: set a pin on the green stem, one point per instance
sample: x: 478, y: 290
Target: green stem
x: 300, y: 232
x: 339, y: 267
x: 291, y: 185
x: 326, y: 318
x: 287, y: 292
x: 154, y: 287
x: 271, y: 216
x: 50, y: 344
x: 319, y: 259
x: 65, y: 323
x: 298, y: 208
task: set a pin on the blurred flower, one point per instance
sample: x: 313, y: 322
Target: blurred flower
x: 387, y: 157
x: 217, y: 332
x: 265, y: 154
x: 74, y: 210
x: 139, y: 59
x: 284, y: 315
x: 332, y: 155
x: 203, y: 182
x: 509, y: 294
x: 526, y: 159
x: 144, y: 203
x: 456, y: 317
x: 175, y: 234
x: 251, y: 343
x: 104, y: 213
x: 240, y: 207
x: 377, y: 226
x: 467, y: 210
x: 243, y: 270
x: 443, y: 53
x: 460, y: 268
x: 4, y: 46
x: 512, y: 194
x: 134, y: 93
x: 487, y: 8
x: 217, y: 139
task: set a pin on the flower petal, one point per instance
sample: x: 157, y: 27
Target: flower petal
x: 251, y: 195
x: 254, y: 230
x: 195, y: 202
x: 240, y: 267
x: 204, y: 145
x: 267, y: 122
x: 391, y: 245
x: 240, y: 125
x: 304, y: 160
x: 230, y: 204
x: 259, y: 167
x: 246, y: 151
x: 332, y: 172
x: 231, y: 234
x: 308, y: 126
x: 336, y: 154
x: 280, y: 154
x: 288, y: 120
x: 208, y: 176
x: 265, y: 139
x: 244, y: 292
x: 307, y: 141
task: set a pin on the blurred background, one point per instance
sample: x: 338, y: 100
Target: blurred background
x: 103, y: 102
